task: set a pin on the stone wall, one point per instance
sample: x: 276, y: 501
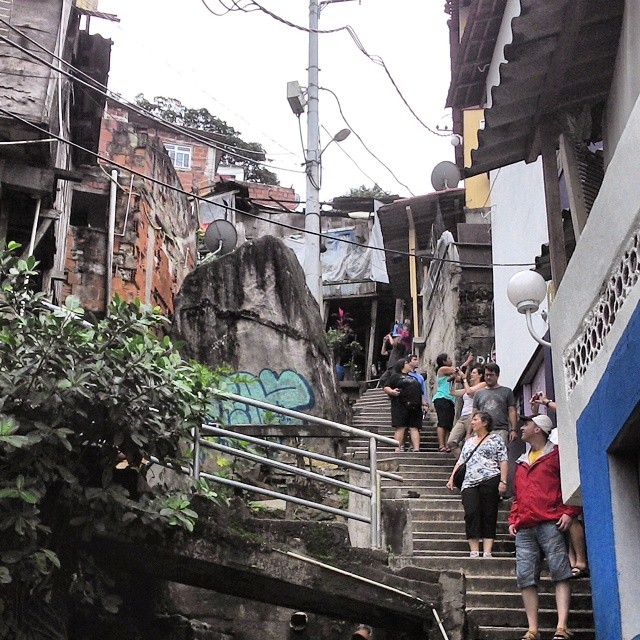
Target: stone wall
x: 458, y: 317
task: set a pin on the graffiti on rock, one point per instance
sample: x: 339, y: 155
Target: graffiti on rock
x: 287, y: 389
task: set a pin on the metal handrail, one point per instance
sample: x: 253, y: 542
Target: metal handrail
x: 284, y: 467
x: 374, y: 494
x: 267, y: 492
x: 304, y: 416
x: 208, y: 429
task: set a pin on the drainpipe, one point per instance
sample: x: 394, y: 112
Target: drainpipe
x: 113, y: 192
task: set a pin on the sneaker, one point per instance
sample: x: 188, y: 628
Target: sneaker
x: 486, y: 554
x: 474, y: 554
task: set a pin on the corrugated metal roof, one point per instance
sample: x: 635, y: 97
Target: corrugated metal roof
x: 395, y: 229
x: 469, y: 70
x: 561, y: 57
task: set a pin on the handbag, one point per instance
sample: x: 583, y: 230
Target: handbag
x: 461, y: 471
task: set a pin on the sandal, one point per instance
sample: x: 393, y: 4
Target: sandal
x: 579, y: 572
x: 562, y: 634
x: 531, y: 635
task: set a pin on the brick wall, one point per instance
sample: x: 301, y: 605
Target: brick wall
x: 157, y: 249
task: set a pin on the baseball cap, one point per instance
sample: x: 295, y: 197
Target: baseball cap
x: 541, y: 421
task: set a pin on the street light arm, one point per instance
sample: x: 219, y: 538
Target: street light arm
x: 534, y: 335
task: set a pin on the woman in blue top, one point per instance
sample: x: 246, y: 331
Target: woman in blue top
x: 443, y: 401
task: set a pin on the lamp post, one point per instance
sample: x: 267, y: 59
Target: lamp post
x: 526, y: 290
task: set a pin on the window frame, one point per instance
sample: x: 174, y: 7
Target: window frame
x: 176, y: 151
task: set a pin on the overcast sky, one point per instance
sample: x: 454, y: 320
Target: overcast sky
x: 238, y: 65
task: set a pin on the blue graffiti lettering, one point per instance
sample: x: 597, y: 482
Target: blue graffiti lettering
x: 288, y: 389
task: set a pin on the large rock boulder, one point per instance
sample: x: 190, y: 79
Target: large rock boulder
x: 252, y: 310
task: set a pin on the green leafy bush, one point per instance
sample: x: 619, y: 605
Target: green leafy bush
x: 77, y: 397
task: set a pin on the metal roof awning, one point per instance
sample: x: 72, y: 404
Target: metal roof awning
x: 469, y: 70
x: 561, y: 58
x: 395, y: 230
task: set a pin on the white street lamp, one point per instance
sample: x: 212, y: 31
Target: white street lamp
x: 526, y: 290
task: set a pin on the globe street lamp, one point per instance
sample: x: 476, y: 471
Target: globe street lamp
x: 526, y: 290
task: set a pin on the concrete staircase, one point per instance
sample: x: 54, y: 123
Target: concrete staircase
x: 492, y: 600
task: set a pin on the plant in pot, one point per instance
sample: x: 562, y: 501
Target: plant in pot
x: 343, y: 344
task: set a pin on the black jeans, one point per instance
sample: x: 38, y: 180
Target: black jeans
x: 481, y: 509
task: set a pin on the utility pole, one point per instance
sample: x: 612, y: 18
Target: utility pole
x: 312, y: 268
x: 313, y: 159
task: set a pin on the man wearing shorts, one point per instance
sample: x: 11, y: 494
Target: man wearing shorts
x: 538, y: 520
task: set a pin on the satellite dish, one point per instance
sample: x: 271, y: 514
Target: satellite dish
x: 445, y: 175
x: 220, y: 237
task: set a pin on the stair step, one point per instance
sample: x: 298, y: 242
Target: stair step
x: 446, y: 546
x: 498, y: 566
x: 511, y: 633
x: 484, y: 599
x: 498, y: 616
x: 493, y: 600
x: 506, y: 584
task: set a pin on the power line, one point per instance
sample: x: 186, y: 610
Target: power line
x: 208, y: 94
x: 103, y: 90
x: 275, y: 16
x: 354, y: 36
x: 362, y: 142
x: 215, y: 13
x: 346, y: 153
x: 228, y: 208
x: 379, y: 61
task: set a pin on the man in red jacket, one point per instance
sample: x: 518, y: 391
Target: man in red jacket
x: 538, y: 520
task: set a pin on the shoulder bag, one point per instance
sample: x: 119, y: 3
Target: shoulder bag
x: 461, y: 471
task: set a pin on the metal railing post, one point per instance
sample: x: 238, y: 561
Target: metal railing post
x: 195, y: 467
x: 379, y: 510
x: 373, y: 478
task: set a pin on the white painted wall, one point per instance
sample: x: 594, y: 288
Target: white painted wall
x: 518, y: 229
x: 625, y: 87
x: 614, y: 218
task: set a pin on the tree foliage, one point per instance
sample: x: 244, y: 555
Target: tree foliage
x: 367, y: 192
x: 172, y: 110
x: 77, y: 396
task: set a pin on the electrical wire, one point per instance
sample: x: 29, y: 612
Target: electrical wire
x: 228, y: 208
x: 379, y: 61
x: 275, y: 16
x: 215, y: 13
x: 362, y: 142
x: 346, y: 153
x: 103, y: 90
x: 374, y: 58
x: 493, y: 182
x: 209, y: 95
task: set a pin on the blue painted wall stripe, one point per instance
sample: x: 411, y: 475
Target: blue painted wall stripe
x: 613, y: 401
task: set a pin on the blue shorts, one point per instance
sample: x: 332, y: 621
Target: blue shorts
x: 534, y: 543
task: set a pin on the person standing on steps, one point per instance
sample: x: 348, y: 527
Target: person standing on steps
x: 414, y: 362
x: 499, y: 401
x: 462, y: 428
x: 443, y: 401
x: 485, y: 480
x: 538, y: 519
x: 577, y: 542
x: 406, y: 404
x: 392, y: 346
